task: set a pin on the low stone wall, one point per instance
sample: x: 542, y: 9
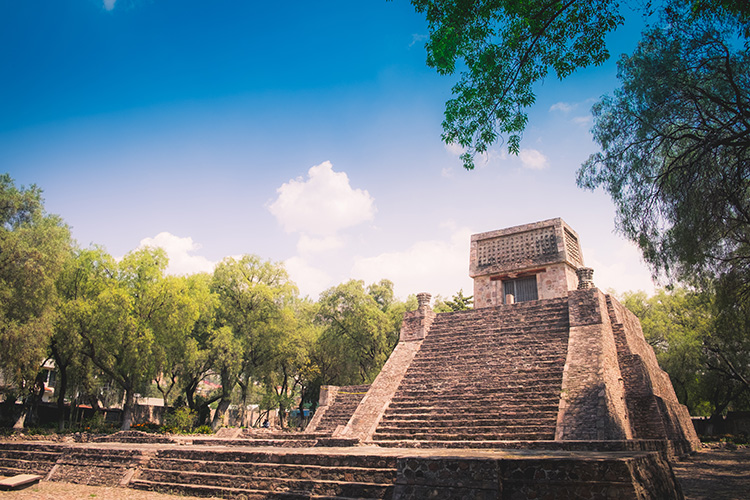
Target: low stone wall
x: 409, y: 475
x: 735, y: 423
x: 646, y: 476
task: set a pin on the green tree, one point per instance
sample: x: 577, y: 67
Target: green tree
x: 83, y: 278
x: 131, y: 317
x: 251, y: 294
x: 360, y: 329
x: 701, y: 343
x: 459, y: 303
x: 504, y: 47
x: 286, y: 373
x: 677, y: 323
x: 728, y: 348
x: 675, y: 143
x: 33, y: 248
x: 176, y: 351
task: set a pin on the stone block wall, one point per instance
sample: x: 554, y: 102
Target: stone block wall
x: 417, y: 323
x: 644, y: 476
x: 592, y: 401
x: 552, y: 281
x: 549, y: 250
x: 336, y: 405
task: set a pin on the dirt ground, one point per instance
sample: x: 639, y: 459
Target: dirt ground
x: 711, y: 474
x: 715, y: 474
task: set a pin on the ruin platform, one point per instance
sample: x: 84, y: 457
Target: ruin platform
x: 348, y: 472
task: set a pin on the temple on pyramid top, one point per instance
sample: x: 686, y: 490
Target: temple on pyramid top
x: 534, y: 261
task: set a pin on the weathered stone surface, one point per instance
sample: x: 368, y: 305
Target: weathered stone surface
x: 592, y: 401
x: 549, y: 250
x: 365, y: 419
x: 19, y: 481
x: 566, y: 385
x: 335, y: 407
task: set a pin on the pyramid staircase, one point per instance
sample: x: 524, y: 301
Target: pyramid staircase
x: 340, y: 411
x: 491, y: 374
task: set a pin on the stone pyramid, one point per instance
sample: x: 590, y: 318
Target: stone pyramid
x: 545, y: 360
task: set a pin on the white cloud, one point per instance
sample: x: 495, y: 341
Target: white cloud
x: 533, y: 159
x: 416, y: 38
x: 109, y: 4
x: 322, y: 204
x: 308, y: 245
x: 621, y: 270
x: 309, y: 280
x: 454, y: 149
x: 435, y: 266
x: 179, y: 250
x: 491, y: 156
x: 583, y: 120
x: 564, y: 107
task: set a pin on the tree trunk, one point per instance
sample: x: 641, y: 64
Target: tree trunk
x: 218, y: 420
x: 127, y: 410
x: 226, y: 399
x: 60, y: 390
x: 243, y: 398
x: 190, y: 389
x: 18, y: 426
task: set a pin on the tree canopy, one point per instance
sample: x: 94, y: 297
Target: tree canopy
x: 33, y: 248
x: 502, y: 48
x: 701, y: 343
x: 675, y: 141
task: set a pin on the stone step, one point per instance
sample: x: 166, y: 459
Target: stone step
x: 497, y: 352
x: 522, y: 334
x: 100, y: 456
x: 459, y: 385
x: 230, y: 492
x: 437, y: 418
x: 282, y: 458
x: 15, y: 469
x: 387, y: 424
x: 272, y: 484
x: 43, y: 456
x: 494, y: 436
x: 23, y: 458
x: 495, y: 370
x: 470, y: 430
x: 476, y: 411
x: 281, y: 443
x: 497, y: 401
x: 269, y: 470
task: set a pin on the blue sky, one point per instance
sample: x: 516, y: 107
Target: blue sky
x: 304, y: 132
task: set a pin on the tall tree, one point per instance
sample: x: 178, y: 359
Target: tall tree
x: 175, y: 349
x: 251, y: 294
x: 360, y: 329
x: 83, y: 278
x: 131, y: 318
x: 33, y: 248
x: 702, y: 343
x: 677, y: 323
x: 504, y: 47
x: 675, y: 142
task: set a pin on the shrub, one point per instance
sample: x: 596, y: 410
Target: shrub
x: 179, y: 421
